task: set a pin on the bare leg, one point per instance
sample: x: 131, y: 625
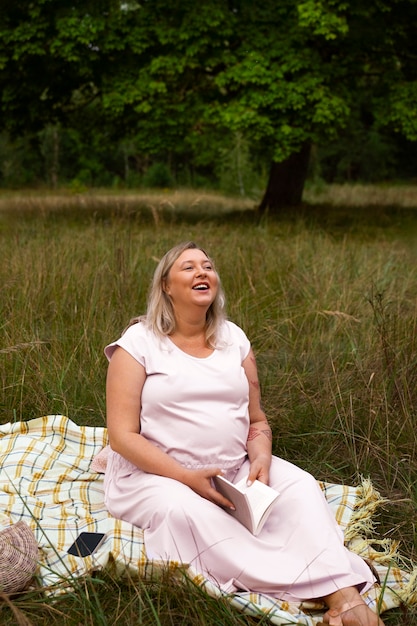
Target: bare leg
x: 347, y: 608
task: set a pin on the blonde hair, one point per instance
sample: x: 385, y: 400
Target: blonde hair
x: 160, y: 316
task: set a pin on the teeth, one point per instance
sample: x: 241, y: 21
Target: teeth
x: 201, y: 287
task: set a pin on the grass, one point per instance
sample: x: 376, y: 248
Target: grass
x: 327, y: 295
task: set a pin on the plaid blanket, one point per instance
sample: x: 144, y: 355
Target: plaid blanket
x: 47, y: 481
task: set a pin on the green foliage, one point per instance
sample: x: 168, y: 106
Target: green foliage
x: 322, y: 18
x: 158, y: 176
x: 171, y: 78
x: 79, y: 158
x: 402, y: 110
x: 236, y: 170
x: 365, y: 155
x: 283, y: 73
x: 20, y: 164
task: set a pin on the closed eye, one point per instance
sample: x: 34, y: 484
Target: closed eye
x: 191, y: 267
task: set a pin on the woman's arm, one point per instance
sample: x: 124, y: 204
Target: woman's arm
x: 125, y: 380
x: 259, y: 443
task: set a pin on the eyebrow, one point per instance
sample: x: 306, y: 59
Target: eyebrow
x: 206, y: 260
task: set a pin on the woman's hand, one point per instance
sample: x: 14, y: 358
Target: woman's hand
x: 200, y: 482
x: 259, y: 469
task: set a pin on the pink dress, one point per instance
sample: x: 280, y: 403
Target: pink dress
x: 196, y: 410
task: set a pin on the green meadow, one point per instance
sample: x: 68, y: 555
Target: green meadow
x: 327, y: 294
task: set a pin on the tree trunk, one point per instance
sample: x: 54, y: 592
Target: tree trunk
x: 55, y: 157
x: 286, y: 182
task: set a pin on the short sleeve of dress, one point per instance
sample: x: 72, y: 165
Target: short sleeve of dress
x: 238, y: 337
x: 134, y: 341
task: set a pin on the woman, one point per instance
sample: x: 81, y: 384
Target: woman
x: 183, y: 405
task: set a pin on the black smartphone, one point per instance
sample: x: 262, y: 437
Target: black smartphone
x: 86, y: 543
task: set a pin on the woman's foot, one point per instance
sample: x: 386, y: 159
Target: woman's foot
x: 347, y: 608
x: 352, y: 615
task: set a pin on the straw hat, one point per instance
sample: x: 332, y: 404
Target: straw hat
x: 18, y: 557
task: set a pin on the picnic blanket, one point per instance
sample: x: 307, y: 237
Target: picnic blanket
x: 46, y: 480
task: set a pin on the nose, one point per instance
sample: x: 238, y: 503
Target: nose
x: 201, y: 271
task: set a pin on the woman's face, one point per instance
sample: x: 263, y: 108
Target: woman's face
x: 192, y: 280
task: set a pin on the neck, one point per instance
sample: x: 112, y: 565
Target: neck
x: 190, y: 337
x: 190, y: 328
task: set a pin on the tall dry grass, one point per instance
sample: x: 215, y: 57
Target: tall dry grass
x: 328, y: 298
x: 363, y: 195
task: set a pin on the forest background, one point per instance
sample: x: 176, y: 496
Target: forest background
x: 249, y: 98
x: 256, y: 128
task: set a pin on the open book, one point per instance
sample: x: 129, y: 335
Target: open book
x: 253, y: 504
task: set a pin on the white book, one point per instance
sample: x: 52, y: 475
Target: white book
x: 253, y: 504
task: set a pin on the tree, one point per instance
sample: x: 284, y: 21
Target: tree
x: 297, y: 68
x: 48, y: 62
x: 283, y: 75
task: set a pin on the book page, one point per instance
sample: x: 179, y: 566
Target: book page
x: 260, y: 498
x: 252, y: 503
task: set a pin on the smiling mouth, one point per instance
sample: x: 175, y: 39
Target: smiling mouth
x: 201, y: 287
